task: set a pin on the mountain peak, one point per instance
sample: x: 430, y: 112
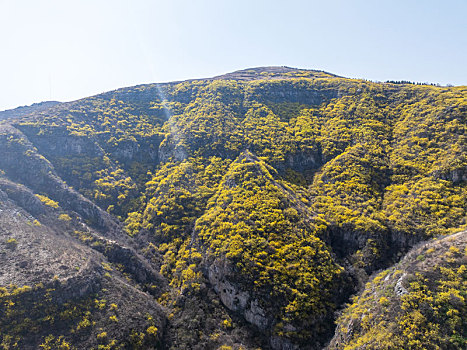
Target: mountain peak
x: 273, y: 72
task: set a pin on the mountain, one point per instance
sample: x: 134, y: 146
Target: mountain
x: 25, y: 110
x: 250, y: 210
x: 418, y: 303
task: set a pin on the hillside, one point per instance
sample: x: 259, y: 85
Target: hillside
x: 238, y: 212
x: 25, y: 110
x: 418, y: 303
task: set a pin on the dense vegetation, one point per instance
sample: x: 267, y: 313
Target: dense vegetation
x: 418, y: 304
x: 277, y: 191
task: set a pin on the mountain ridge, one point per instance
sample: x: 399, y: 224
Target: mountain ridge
x: 25, y: 110
x: 247, y: 74
x: 243, y: 212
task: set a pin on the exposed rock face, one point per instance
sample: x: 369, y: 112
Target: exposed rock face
x: 399, y: 288
x: 257, y: 315
x: 22, y: 196
x: 176, y: 152
x: 281, y: 93
x: 236, y: 299
x: 144, y: 150
x: 128, y: 150
x: 456, y: 176
x: 131, y: 262
x: 346, y: 241
x: 282, y: 344
x: 63, y: 144
x: 304, y: 160
x: 244, y: 303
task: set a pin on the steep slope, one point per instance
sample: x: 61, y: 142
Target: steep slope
x: 246, y: 208
x: 22, y: 163
x: 418, y: 303
x: 264, y: 257
x: 56, y: 291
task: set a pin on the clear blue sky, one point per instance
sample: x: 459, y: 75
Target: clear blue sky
x: 68, y: 49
